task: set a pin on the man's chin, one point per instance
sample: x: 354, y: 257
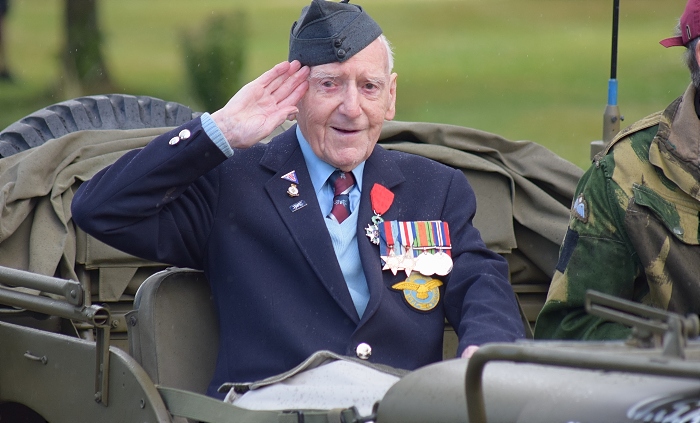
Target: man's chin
x: 346, y: 163
x: 345, y: 153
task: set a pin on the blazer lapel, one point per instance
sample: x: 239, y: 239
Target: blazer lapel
x: 302, y: 216
x: 380, y: 169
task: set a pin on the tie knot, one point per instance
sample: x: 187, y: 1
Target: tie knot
x: 342, y: 182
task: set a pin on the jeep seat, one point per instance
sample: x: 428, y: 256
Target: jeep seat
x: 173, y: 330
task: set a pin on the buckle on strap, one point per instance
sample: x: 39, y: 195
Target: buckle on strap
x: 351, y: 415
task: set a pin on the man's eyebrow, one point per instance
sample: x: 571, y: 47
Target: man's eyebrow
x: 322, y: 75
x: 318, y: 75
x: 379, y: 81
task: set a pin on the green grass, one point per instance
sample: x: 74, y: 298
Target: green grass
x: 525, y: 69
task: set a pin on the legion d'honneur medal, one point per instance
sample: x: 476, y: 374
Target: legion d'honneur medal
x: 381, y: 199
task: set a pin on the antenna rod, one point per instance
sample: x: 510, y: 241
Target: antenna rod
x: 612, y: 118
x: 616, y: 19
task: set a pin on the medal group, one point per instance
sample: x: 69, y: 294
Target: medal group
x: 419, y: 248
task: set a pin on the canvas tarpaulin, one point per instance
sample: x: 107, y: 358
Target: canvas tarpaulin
x: 523, y: 195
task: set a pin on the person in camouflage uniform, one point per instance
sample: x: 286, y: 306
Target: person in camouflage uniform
x: 634, y: 230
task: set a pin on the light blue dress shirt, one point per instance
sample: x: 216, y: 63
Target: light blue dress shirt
x: 343, y: 235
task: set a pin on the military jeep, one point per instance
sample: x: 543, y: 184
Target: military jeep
x: 92, y: 334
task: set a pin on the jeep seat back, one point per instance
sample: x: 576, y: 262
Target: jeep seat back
x: 173, y: 329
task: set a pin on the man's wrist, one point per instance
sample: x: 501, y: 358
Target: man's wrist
x: 215, y: 134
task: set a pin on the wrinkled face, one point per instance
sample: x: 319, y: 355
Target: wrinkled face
x: 341, y: 114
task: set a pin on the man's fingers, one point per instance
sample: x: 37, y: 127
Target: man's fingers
x: 262, y: 105
x: 289, y: 85
x: 280, y: 74
x: 295, y: 96
x: 278, y: 70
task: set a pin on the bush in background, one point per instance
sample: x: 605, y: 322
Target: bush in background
x: 215, y: 57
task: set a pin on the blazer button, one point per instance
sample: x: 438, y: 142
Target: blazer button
x: 174, y: 140
x: 363, y: 351
x: 184, y: 134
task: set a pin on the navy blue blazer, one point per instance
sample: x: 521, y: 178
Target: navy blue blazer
x: 276, y: 281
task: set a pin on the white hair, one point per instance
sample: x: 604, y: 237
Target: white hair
x: 389, y: 52
x: 689, y: 56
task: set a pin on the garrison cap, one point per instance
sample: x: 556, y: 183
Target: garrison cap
x: 328, y: 32
x: 689, y: 26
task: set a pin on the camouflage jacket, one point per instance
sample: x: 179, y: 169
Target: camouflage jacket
x: 633, y: 230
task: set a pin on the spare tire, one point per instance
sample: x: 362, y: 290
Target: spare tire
x: 98, y: 112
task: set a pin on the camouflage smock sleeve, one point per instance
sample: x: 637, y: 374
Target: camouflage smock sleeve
x: 595, y: 254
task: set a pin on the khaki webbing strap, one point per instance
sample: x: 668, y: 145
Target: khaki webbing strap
x: 206, y: 409
x: 526, y: 324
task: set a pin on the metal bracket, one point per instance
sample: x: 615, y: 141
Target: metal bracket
x: 651, y: 327
x: 352, y: 415
x: 102, y: 365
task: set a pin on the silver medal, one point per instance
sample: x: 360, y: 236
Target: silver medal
x: 443, y: 263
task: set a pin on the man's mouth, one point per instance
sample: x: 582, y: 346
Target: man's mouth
x: 345, y: 130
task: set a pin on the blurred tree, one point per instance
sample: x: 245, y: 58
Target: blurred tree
x: 84, y: 68
x: 215, y: 58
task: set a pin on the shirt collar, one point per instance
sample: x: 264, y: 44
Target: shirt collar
x: 319, y: 171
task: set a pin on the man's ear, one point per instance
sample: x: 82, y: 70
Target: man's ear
x: 391, y: 111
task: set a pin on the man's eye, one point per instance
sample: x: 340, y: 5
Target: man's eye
x: 327, y: 84
x: 371, y: 87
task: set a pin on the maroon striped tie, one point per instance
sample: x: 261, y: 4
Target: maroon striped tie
x: 342, y: 183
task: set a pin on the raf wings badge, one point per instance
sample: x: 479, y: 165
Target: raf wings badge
x: 421, y: 292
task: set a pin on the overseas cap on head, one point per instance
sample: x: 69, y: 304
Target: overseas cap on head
x: 328, y: 32
x: 689, y: 25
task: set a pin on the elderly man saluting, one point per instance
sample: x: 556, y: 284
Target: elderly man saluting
x: 319, y: 239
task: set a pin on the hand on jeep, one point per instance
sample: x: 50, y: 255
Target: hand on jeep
x: 469, y: 351
x: 263, y: 104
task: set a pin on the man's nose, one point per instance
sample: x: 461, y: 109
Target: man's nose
x: 350, y: 105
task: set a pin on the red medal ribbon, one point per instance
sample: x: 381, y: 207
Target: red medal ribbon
x: 422, y: 235
x: 406, y: 237
x: 446, y: 233
x: 381, y: 199
x: 389, y: 235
